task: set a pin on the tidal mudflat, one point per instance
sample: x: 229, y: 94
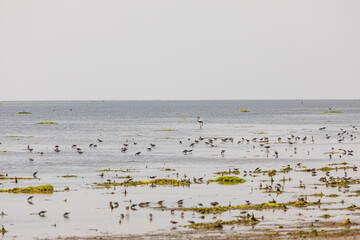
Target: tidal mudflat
x: 150, y: 170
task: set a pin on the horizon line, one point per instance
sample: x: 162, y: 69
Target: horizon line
x: 159, y: 100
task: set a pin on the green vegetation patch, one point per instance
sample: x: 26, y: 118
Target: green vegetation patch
x: 167, y: 169
x: 244, y: 111
x: 221, y: 209
x: 219, y: 224
x: 23, y: 113
x: 155, y: 182
x: 40, y: 189
x: 234, y: 172
x: 68, y: 176
x: 228, y: 180
x: 2, y: 177
x: 47, y: 123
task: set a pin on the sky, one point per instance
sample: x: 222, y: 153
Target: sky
x: 179, y: 49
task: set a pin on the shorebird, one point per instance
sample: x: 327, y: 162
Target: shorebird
x: 138, y: 153
x: 200, y: 122
x: 66, y: 215
x: 34, y: 174
x: 41, y: 213
x: 29, y: 200
x: 214, y: 204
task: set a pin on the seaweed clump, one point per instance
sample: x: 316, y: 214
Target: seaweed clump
x: 234, y: 172
x: 23, y: 113
x: 155, y: 182
x: 228, y: 180
x: 219, y: 224
x: 40, y: 189
x: 68, y: 176
x: 220, y: 209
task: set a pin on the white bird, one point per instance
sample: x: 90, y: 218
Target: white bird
x: 200, y: 122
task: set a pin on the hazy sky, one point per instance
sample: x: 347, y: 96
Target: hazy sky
x: 179, y: 49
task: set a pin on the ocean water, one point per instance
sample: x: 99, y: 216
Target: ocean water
x: 143, y: 123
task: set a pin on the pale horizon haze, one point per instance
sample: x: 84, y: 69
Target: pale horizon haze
x: 179, y: 50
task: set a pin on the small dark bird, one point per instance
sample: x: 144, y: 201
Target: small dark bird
x: 42, y: 213
x: 214, y: 204
x: 66, y: 215
x: 99, y: 140
x: 137, y: 154
x: 34, y: 174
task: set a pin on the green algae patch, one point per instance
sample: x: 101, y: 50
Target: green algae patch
x: 219, y: 224
x: 342, y: 182
x: 155, y: 182
x: 325, y: 169
x: 2, y: 177
x: 303, y: 203
x: 331, y: 112
x: 325, y: 216
x: 235, y: 172
x: 47, y: 123
x: 2, y: 230
x: 228, y: 180
x: 40, y: 189
x: 334, y: 164
x: 166, y: 130
x: 221, y: 209
x: 346, y: 222
x: 68, y: 176
x: 244, y: 111
x: 23, y: 113
x: 167, y: 169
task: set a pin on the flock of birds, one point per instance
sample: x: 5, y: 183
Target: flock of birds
x: 263, y: 142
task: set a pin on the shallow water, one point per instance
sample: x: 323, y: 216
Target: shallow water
x: 139, y: 121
